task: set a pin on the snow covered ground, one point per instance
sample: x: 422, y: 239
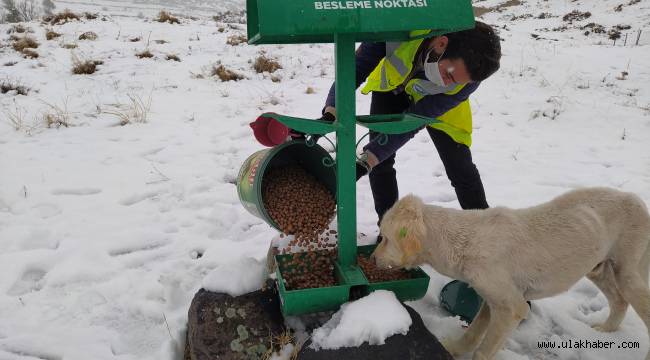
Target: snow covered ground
x: 107, y: 231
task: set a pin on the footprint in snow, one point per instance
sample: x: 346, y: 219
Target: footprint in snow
x: 31, y: 280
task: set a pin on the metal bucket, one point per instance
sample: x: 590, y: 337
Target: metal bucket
x: 312, y: 158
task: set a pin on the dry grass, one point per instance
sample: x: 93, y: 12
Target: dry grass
x: 20, y: 29
x: 69, y: 46
x: 278, y: 342
x: 90, y: 16
x: 135, y: 112
x: 161, y: 41
x: 164, y: 16
x: 15, y: 118
x: 236, y: 40
x: 264, y: 64
x: 51, y: 34
x: 29, y: 54
x: 56, y: 116
x: 135, y: 39
x: 85, y: 67
x: 24, y: 42
x: 238, y: 17
x: 62, y: 17
x: 9, y: 85
x: 310, y: 90
x: 225, y: 74
x: 88, y: 35
x: 173, y: 57
x: 145, y: 54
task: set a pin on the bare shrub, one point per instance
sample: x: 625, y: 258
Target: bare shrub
x: 88, y: 35
x: 90, y: 16
x: 24, y: 42
x: 262, y: 64
x: 62, y: 17
x: 225, y: 74
x: 164, y: 16
x: 19, y: 28
x: 85, y: 67
x: 173, y: 57
x: 145, y: 54
x: 236, y: 40
x: 134, y: 112
x: 20, y: 10
x: 8, y: 85
x: 29, y: 54
x: 51, y: 34
x: 576, y: 15
x: 238, y: 17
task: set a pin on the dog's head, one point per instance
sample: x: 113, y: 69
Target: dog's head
x: 403, y: 229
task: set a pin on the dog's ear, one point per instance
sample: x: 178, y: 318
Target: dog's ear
x: 411, y: 228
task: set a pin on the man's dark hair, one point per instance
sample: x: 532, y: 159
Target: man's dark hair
x: 480, y: 49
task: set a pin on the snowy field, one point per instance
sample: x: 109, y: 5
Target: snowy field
x: 108, y: 231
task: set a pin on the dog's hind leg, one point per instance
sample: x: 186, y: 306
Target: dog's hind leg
x: 603, y: 277
x: 473, y: 334
x: 636, y: 291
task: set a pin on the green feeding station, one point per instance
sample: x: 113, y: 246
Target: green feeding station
x: 342, y: 23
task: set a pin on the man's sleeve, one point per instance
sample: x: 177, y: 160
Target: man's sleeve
x: 436, y: 105
x: 368, y: 55
x: 429, y: 106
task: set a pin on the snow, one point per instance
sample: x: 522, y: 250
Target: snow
x: 108, y: 231
x: 250, y: 275
x: 371, y: 319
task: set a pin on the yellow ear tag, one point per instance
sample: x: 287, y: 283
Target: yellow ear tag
x: 402, y: 232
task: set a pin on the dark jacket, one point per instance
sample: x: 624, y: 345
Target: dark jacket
x: 368, y: 56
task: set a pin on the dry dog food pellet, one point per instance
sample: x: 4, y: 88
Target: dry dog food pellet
x: 374, y: 274
x: 299, y: 204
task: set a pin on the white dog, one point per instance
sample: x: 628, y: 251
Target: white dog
x: 512, y: 255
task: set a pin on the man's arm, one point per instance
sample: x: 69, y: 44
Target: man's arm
x: 430, y: 106
x: 368, y: 55
x: 435, y: 105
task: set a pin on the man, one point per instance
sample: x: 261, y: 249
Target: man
x: 432, y: 77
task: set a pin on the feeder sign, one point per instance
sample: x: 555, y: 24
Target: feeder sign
x: 369, y: 4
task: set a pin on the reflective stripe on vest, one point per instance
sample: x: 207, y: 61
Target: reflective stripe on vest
x: 393, y: 69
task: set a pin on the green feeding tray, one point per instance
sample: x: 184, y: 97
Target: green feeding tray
x: 459, y: 299
x: 349, y: 286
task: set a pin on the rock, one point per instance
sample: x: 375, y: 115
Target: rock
x: 419, y: 343
x: 222, y: 327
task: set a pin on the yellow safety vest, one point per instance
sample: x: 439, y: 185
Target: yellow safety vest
x: 393, y: 70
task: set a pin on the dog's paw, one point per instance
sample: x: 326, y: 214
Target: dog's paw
x: 604, y: 327
x: 454, y: 347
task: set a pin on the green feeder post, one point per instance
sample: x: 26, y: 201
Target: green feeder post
x: 346, y: 159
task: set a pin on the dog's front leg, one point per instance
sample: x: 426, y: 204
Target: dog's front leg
x: 472, y: 336
x: 504, y: 317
